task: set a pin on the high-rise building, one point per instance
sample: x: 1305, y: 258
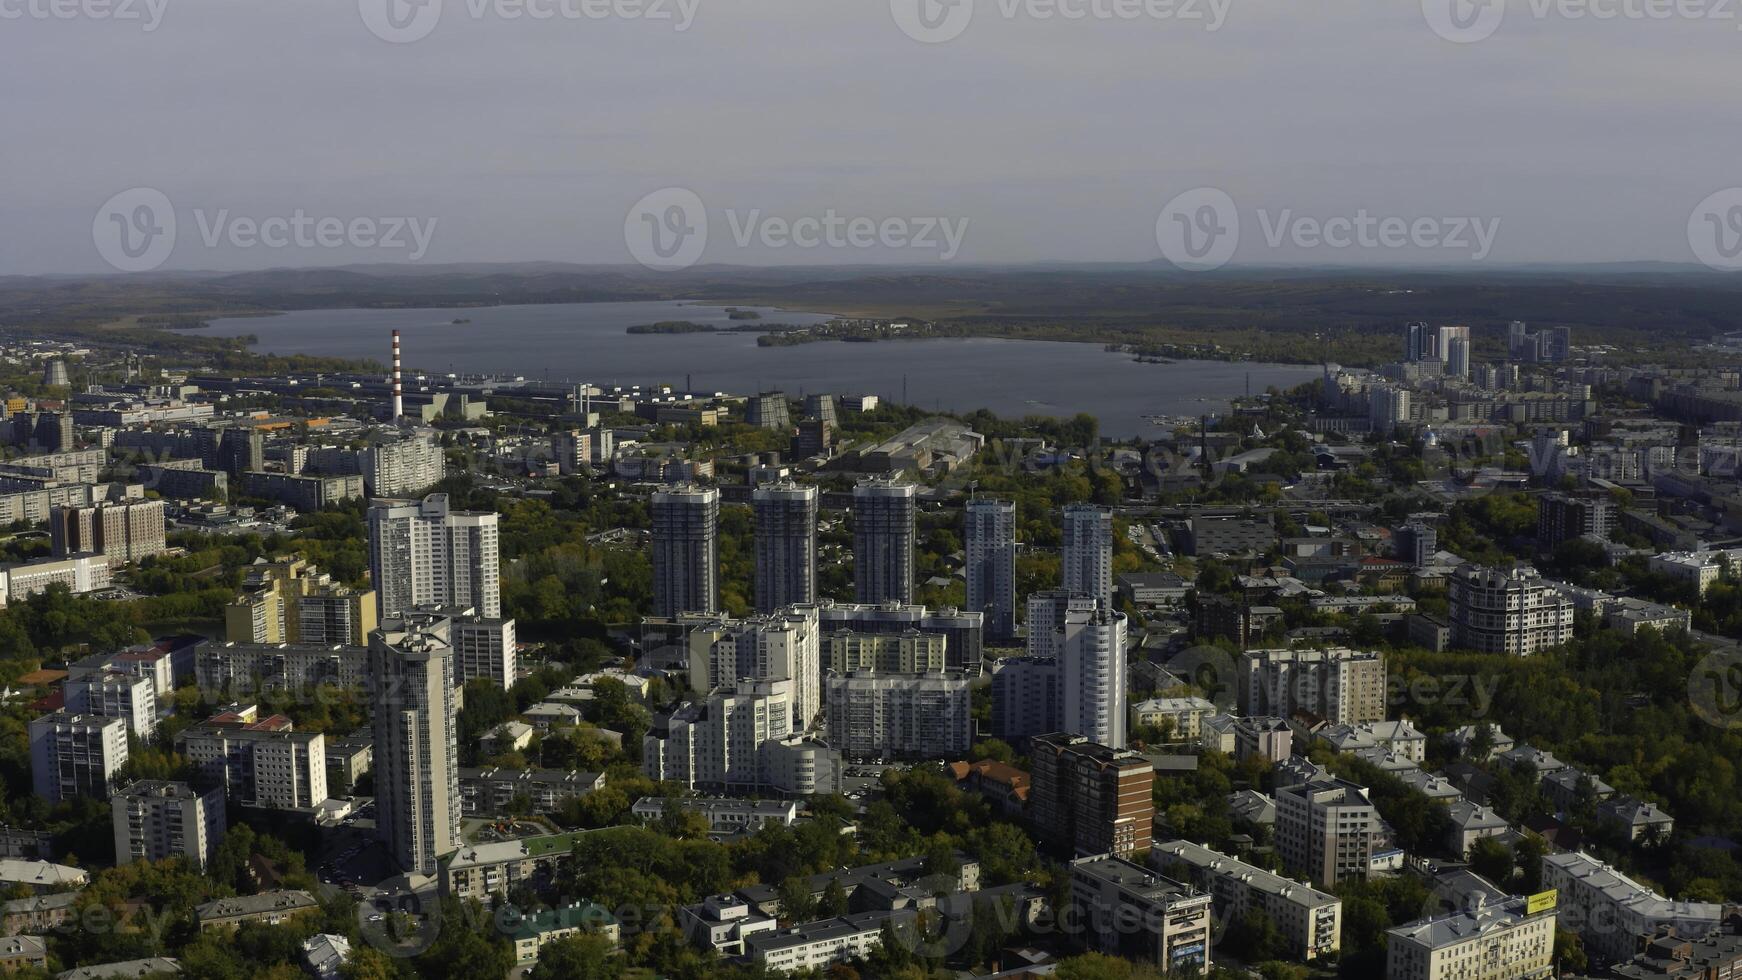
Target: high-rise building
x: 421, y: 553
x: 897, y: 715
x: 73, y: 754
x: 265, y: 763
x: 1563, y: 517
x: 686, y: 550
x: 1458, y: 355
x: 884, y: 516
x: 723, y: 741
x: 115, y: 694
x: 1498, y: 610
x: 1047, y: 610
x: 402, y: 467
x: 1091, y: 664
x: 786, y: 545
x: 241, y: 450
x: 786, y: 645
x: 416, y: 753
x: 963, y: 632
x: 1025, y: 698
x: 990, y: 539
x: 294, y: 602
x: 1340, y: 685
x: 1389, y: 407
x: 155, y: 819
x: 1093, y: 798
x: 483, y: 648
x: 121, y: 531
x: 1417, y: 543
x: 912, y: 652
x: 1086, y: 560
x: 1326, y: 829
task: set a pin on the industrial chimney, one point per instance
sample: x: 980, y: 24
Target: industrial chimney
x: 398, y: 389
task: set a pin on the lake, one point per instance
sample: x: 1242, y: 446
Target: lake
x: 588, y: 342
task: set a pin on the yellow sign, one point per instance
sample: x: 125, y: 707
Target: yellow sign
x: 1541, y: 902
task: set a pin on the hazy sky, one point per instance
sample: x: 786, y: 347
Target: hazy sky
x: 1052, y: 139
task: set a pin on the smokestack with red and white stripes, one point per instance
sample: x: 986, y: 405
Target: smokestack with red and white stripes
x: 398, y: 387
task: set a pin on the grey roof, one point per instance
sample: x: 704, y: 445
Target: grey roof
x: 261, y: 904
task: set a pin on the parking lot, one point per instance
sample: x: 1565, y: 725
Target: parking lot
x: 861, y: 782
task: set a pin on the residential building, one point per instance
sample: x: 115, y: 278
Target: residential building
x: 483, y: 648
x: 722, y: 815
x: 23, y: 952
x: 1326, y: 829
x: 401, y: 467
x: 530, y: 933
x: 1183, y: 718
x: 786, y: 545
x: 1089, y: 797
x: 490, y: 872
x: 1310, y: 920
x: 267, y: 908
x: 1507, y: 940
x: 265, y: 764
x: 686, y: 550
x: 963, y: 631
x: 912, y: 652
x: 423, y: 553
x: 1611, y: 912
x: 1087, y: 639
x: 785, y: 645
x: 496, y: 791
x: 239, y: 671
x: 1339, y: 685
x: 873, y: 715
x: 884, y: 514
x: 1025, y: 698
x: 989, y: 536
x: 121, y: 531
x: 740, y: 740
x: 156, y: 819
x: 1514, y: 610
x: 73, y: 754
x: 325, y: 955
x: 1563, y: 517
x: 416, y: 757
x: 115, y: 694
x: 1086, y: 557
x: 303, y: 493
x: 1174, y: 920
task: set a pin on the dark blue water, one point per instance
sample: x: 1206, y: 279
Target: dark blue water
x: 588, y: 342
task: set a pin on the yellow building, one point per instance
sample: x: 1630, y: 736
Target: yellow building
x: 912, y: 652
x: 291, y: 601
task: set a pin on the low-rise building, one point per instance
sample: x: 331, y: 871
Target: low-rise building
x: 267, y: 908
x: 40, y: 876
x: 1611, y: 912
x: 486, y: 871
x: 723, y: 816
x: 1511, y: 940
x: 1311, y: 921
x: 1182, y: 717
x: 530, y: 933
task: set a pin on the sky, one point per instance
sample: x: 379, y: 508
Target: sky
x: 284, y: 133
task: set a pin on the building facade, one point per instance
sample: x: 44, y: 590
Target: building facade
x: 416, y: 756
x: 423, y: 553
x: 884, y: 515
x: 686, y: 550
